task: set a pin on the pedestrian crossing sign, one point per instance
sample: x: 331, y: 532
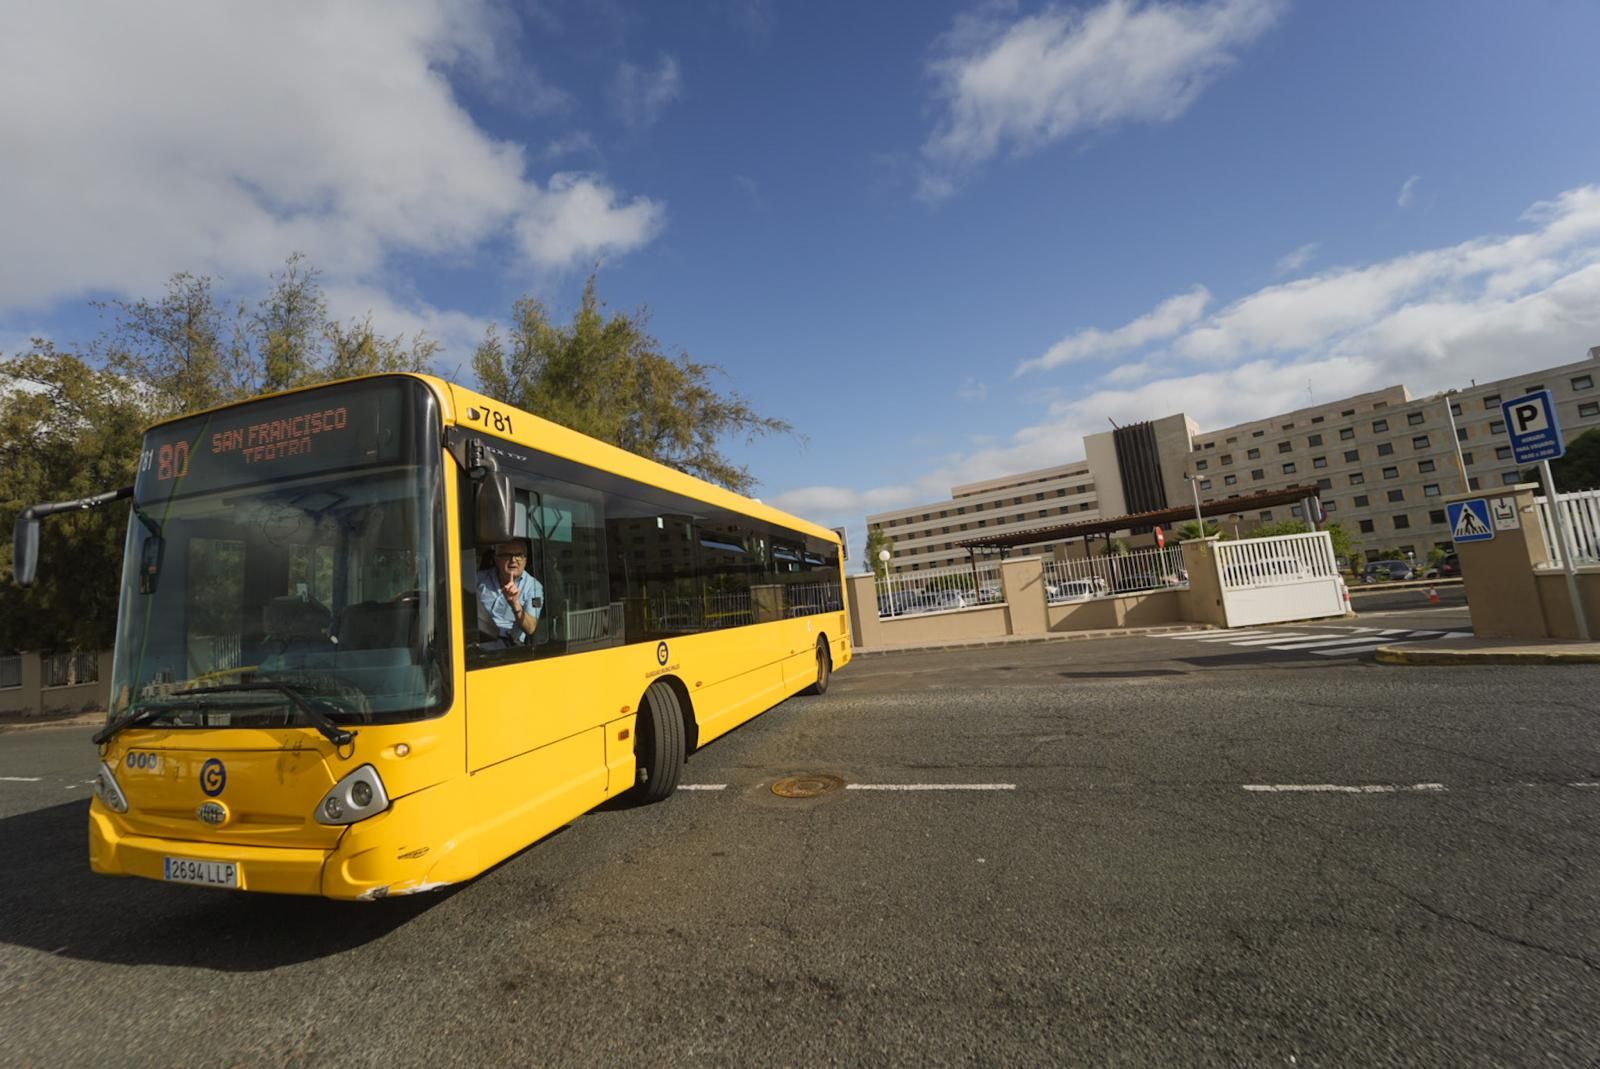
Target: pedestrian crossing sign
x: 1469, y: 521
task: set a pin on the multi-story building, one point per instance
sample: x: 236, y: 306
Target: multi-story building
x: 1382, y: 461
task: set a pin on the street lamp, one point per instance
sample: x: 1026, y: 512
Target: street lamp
x: 883, y: 555
x: 1199, y: 520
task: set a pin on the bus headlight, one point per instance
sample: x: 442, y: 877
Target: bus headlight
x: 356, y: 797
x: 106, y: 789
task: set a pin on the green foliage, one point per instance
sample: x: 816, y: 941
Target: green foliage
x: 1343, y: 545
x: 67, y: 430
x: 1191, y: 530
x: 877, y: 541
x: 1578, y: 470
x: 1118, y: 547
x: 606, y: 376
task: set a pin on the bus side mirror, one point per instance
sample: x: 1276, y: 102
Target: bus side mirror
x: 25, y: 548
x: 495, y: 508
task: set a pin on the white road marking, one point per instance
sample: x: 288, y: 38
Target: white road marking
x: 1322, y: 643
x: 930, y: 786
x: 1583, y: 785
x: 702, y: 786
x: 1276, y: 638
x: 1335, y: 788
x: 1212, y: 636
x: 19, y: 779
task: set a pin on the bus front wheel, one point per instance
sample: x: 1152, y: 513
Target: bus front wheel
x: 660, y: 743
x: 824, y: 669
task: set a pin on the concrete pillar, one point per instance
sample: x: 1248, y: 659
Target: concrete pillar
x: 1023, y: 584
x: 866, y: 630
x: 1502, y: 593
x: 1205, y: 581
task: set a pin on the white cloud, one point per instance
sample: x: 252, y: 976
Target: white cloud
x: 1297, y: 259
x: 1166, y: 320
x: 218, y: 138
x: 1483, y: 309
x: 1407, y: 190
x: 973, y: 390
x: 640, y: 95
x: 1044, y: 78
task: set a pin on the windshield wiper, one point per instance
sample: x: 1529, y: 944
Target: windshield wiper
x: 320, y: 720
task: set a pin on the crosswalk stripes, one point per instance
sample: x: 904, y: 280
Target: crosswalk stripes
x: 1345, y: 642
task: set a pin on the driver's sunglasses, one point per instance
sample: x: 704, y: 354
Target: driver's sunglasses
x: 511, y: 556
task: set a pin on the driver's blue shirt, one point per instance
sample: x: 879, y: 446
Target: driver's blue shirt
x: 494, y: 610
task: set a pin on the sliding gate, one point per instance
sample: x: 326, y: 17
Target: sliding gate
x: 1272, y: 580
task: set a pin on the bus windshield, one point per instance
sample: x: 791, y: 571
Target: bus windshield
x: 251, y: 586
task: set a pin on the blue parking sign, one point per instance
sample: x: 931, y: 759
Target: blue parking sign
x: 1469, y: 521
x: 1531, y: 423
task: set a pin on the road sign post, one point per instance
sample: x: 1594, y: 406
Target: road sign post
x: 1536, y: 436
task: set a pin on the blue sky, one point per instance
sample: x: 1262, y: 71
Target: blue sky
x: 945, y: 240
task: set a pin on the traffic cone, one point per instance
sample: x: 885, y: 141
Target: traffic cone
x: 1433, y: 595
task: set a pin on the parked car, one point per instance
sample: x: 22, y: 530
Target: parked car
x: 1263, y: 572
x: 1075, y: 589
x: 1448, y: 568
x: 943, y: 600
x: 990, y: 593
x: 1380, y: 571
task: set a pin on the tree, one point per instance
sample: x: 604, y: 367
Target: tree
x: 1191, y: 530
x: 1579, y: 469
x: 1343, y: 546
x: 67, y: 430
x: 606, y: 376
x: 876, y: 542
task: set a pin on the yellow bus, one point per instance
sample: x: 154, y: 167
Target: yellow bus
x: 315, y: 692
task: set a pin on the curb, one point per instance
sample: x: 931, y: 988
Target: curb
x: 1034, y: 640
x: 39, y: 724
x: 1406, y: 656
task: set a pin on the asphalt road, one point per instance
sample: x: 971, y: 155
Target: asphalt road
x: 1112, y: 891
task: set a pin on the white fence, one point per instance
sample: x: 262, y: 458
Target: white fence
x: 1127, y: 573
x: 1582, y: 511
x: 1277, y: 561
x: 963, y: 586
x: 1271, y: 580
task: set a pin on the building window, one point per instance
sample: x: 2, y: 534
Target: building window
x: 1414, y: 419
x: 1472, y: 483
x: 1419, y: 442
x: 1491, y: 402
x: 1425, y: 466
x: 1455, y: 408
x: 1227, y: 460
x: 1254, y: 454
x: 1211, y: 445
x: 1466, y: 458
x: 1284, y: 447
x: 1258, y: 473
x: 1346, y: 433
x: 1436, y: 516
x: 1330, y: 506
x: 1385, y: 449
x: 1200, y: 465
x: 10, y: 671
x: 1325, y: 484
x: 1431, y: 490
x: 1314, y: 440
x: 1510, y: 478
x: 1401, y: 521
x: 1205, y: 484
x: 1318, y: 419
x: 1497, y: 427
x: 1319, y: 462
x: 1232, y: 438
x: 1397, y: 495
x: 1379, y: 426
x: 1366, y: 526
x: 1535, y: 388
x: 1288, y: 469
x: 1502, y: 452
x: 1391, y: 473
x: 1361, y: 501
x: 1288, y: 426
x: 1357, y: 478
x: 1352, y: 455
x: 1461, y: 434
x: 1229, y: 480
x: 1257, y: 434
x: 1589, y: 408
x: 1296, y: 511
x: 1266, y: 514
x: 1583, y: 382
x: 1348, y: 412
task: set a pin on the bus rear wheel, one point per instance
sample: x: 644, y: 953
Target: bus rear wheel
x: 824, y: 669
x: 659, y: 743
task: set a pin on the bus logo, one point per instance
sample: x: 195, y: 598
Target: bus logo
x: 661, y: 653
x: 213, y: 777
x: 212, y: 813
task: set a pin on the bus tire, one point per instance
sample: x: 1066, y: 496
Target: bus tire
x: 824, y: 669
x: 659, y: 743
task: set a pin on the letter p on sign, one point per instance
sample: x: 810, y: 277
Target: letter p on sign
x: 1529, y: 419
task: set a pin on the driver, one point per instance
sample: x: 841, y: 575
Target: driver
x: 509, y: 599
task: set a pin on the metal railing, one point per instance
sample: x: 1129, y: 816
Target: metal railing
x: 1126, y: 573
x: 1582, y: 511
x: 1276, y: 561
x: 963, y: 586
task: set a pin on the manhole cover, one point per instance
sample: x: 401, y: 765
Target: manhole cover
x: 806, y: 786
